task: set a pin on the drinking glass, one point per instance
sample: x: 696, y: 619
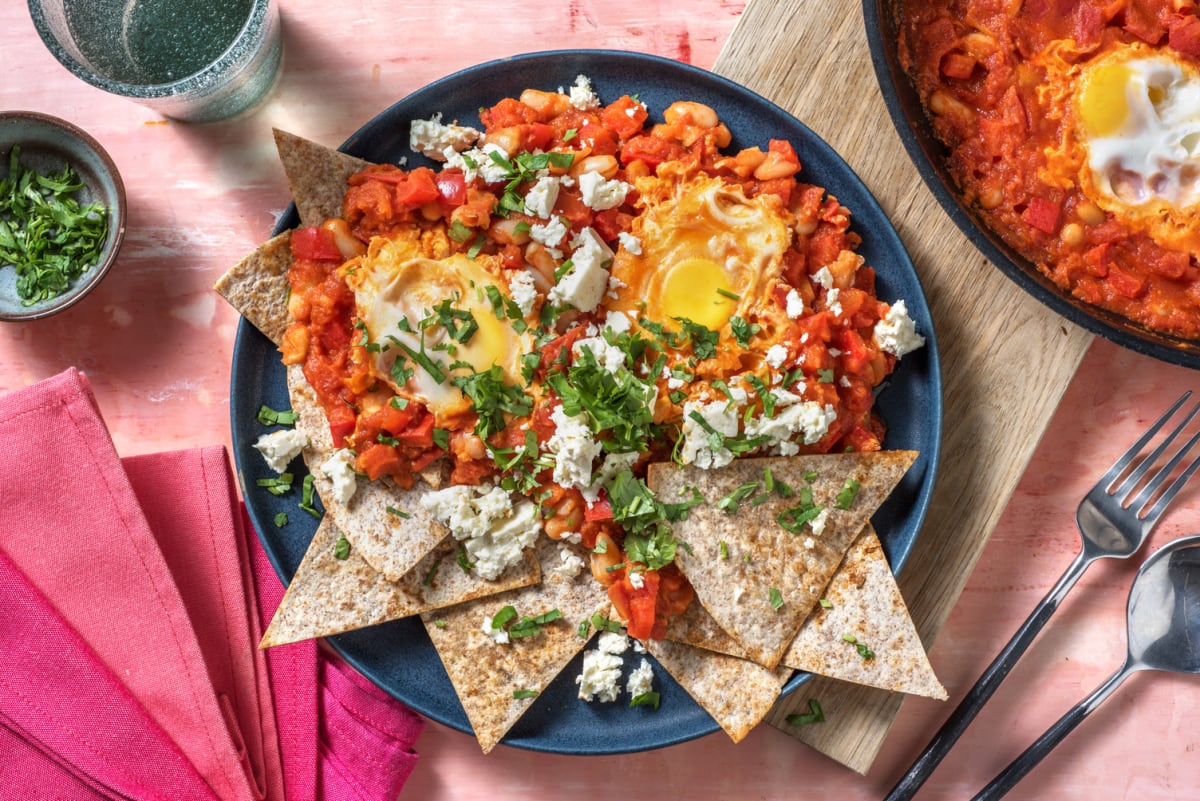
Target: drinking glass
x: 193, y: 60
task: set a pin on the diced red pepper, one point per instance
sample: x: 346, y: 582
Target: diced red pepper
x: 315, y: 244
x: 419, y: 434
x: 378, y: 460
x: 958, y: 65
x: 419, y: 188
x: 640, y: 603
x: 1042, y: 214
x: 1130, y: 286
x: 341, y: 423
x: 610, y: 223
x: 451, y: 188
x: 624, y: 116
x: 600, y: 510
x: 1183, y: 35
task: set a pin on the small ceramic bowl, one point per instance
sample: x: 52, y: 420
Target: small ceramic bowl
x: 47, y: 143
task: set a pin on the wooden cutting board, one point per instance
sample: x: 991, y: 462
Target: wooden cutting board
x: 1006, y: 359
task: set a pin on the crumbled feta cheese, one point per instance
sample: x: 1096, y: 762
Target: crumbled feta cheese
x: 817, y: 524
x: 585, y: 283
x: 614, y: 284
x: 599, y: 193
x: 280, y: 447
x: 636, y: 579
x: 610, y: 357
x: 617, y: 322
x: 522, y: 290
x: 339, y: 469
x: 897, y: 333
x: 795, y: 304
x: 630, y: 242
x: 776, y: 355
x: 493, y: 530
x: 698, y: 446
x: 431, y: 138
x: 582, y: 95
x: 569, y: 563
x: 809, y: 418
x: 540, y: 199
x: 824, y: 278
x: 738, y: 592
x: 477, y: 162
x: 497, y: 636
x: 832, y: 304
x: 613, y: 464
x: 601, y: 673
x: 809, y: 542
x: 550, y: 234
x: 641, y: 680
x: 574, y: 449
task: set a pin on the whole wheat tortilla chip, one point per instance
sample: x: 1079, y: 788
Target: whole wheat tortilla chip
x: 486, y: 674
x: 735, y: 561
x: 863, y: 602
x: 736, y: 692
x: 328, y: 595
x: 257, y: 286
x: 390, y: 542
x: 316, y: 176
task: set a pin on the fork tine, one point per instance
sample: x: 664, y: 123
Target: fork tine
x: 1109, y: 479
x: 1168, y: 495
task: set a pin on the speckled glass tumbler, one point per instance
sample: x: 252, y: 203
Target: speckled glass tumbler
x: 193, y: 60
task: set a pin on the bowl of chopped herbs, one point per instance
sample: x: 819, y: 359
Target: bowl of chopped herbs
x: 62, y: 214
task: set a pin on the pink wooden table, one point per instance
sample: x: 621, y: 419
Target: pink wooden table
x: 156, y: 343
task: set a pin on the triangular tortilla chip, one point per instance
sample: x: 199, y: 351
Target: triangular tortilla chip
x: 737, y: 693
x: 486, y: 674
x: 756, y: 578
x: 389, y: 542
x: 863, y: 602
x: 316, y: 175
x: 329, y: 595
x: 257, y: 286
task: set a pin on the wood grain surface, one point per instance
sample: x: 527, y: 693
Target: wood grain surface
x: 1006, y: 359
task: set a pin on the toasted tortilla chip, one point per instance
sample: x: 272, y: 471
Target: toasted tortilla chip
x: 389, y: 542
x: 736, y: 692
x: 486, y: 674
x: 863, y: 602
x: 329, y: 596
x: 316, y: 175
x: 758, y: 580
x: 257, y: 286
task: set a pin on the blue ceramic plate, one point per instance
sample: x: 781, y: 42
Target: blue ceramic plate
x: 398, y: 656
x: 929, y: 156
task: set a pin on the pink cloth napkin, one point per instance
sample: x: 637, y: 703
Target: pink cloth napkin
x: 147, y: 594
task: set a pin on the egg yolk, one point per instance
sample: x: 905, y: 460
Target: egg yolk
x: 693, y: 289
x: 489, y: 345
x: 1103, y: 106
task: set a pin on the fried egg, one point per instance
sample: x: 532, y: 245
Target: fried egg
x: 1137, y: 113
x: 707, y: 252
x: 397, y: 286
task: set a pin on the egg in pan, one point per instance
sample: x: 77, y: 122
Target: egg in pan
x: 1131, y: 137
x: 706, y: 253
x: 400, y: 283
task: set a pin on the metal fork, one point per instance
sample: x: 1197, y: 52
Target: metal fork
x: 1115, y: 518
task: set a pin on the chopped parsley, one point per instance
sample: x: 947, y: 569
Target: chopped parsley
x: 281, y: 519
x: 863, y: 650
x: 522, y: 694
x: 46, y: 234
x: 341, y: 549
x: 815, y: 715
x: 308, y: 495
x: 776, y: 598
x: 269, y: 417
x: 491, y: 399
x: 848, y: 493
x: 650, y: 698
x: 279, y: 485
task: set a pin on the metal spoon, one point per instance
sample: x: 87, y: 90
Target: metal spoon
x: 1163, y: 620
